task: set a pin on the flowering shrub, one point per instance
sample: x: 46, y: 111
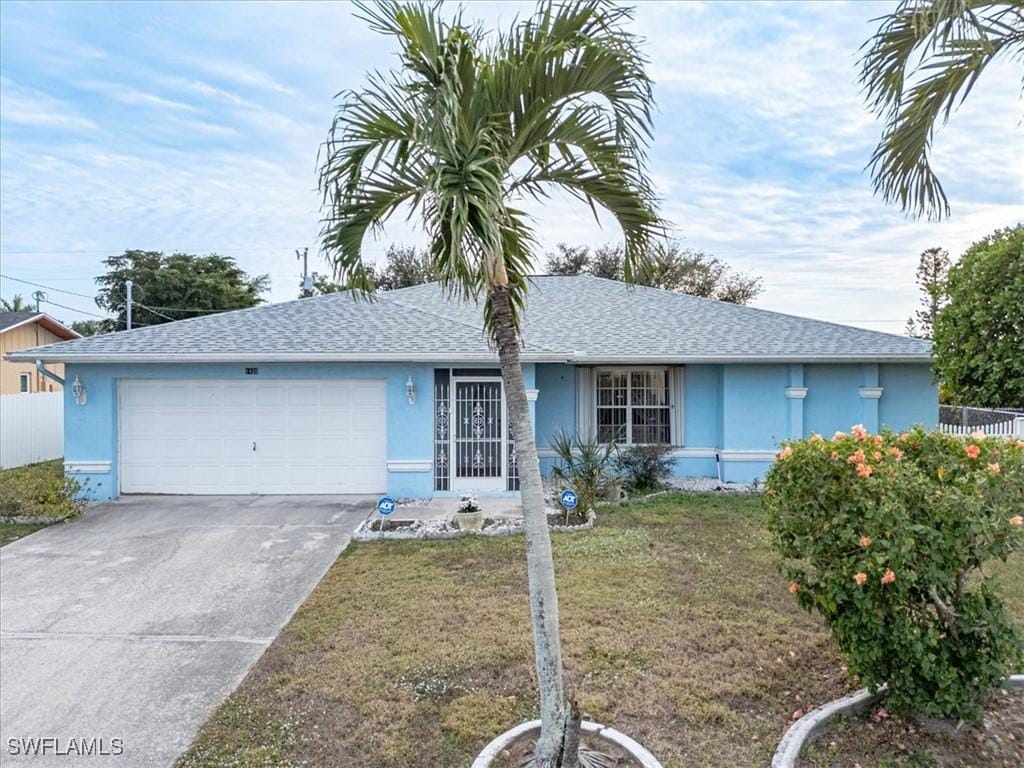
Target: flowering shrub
x: 886, y: 536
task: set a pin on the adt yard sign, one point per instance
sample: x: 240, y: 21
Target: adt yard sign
x: 569, y: 499
x: 385, y: 506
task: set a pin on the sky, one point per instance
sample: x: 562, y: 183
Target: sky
x: 195, y: 127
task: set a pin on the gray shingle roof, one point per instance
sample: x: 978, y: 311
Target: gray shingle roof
x: 567, y: 318
x: 7, y: 319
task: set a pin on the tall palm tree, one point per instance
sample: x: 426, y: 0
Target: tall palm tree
x: 921, y: 63
x: 470, y: 124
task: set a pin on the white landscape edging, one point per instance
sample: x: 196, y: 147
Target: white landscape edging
x: 619, y: 739
x: 810, y: 726
x: 442, y: 530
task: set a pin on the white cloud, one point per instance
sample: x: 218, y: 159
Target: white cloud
x: 204, y: 132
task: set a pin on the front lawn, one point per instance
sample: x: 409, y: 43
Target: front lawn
x: 676, y: 629
x: 13, y: 531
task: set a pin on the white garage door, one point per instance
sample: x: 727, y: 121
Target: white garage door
x: 252, y: 436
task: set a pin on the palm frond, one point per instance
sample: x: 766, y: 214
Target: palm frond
x: 471, y: 121
x: 920, y: 65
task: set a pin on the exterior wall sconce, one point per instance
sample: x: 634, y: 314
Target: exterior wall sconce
x: 410, y: 390
x: 78, y: 390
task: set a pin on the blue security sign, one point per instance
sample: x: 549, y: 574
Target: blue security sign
x: 569, y: 499
x: 385, y: 505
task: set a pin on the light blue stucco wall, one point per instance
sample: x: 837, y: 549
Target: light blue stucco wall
x: 910, y: 396
x: 737, y: 413
x: 90, y: 431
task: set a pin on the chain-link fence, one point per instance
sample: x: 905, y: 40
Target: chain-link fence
x: 963, y: 420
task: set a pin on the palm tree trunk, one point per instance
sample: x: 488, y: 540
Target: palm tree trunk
x: 539, y: 563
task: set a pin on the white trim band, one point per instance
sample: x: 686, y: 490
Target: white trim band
x: 796, y: 393
x: 870, y: 393
x: 531, y: 395
x: 87, y: 467
x: 410, y: 465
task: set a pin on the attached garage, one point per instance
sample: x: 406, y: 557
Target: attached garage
x: 262, y: 436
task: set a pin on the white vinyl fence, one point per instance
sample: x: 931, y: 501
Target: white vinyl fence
x: 31, y: 428
x: 964, y: 421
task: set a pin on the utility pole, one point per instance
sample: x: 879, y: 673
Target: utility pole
x: 39, y: 296
x: 128, y: 304
x: 307, y: 281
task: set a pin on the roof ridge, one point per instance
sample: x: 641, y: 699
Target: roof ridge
x: 481, y: 329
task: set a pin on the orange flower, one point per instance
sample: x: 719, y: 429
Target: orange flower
x: 857, y: 457
x: 816, y: 438
x: 858, y: 431
x: 994, y: 468
x: 877, y: 455
x: 972, y: 451
x: 878, y: 440
x: 864, y: 470
x: 896, y: 453
x: 1017, y: 520
x: 785, y: 453
x: 838, y: 436
x: 865, y: 541
x: 888, y: 577
x: 978, y: 435
x: 794, y: 587
x: 860, y: 577
x: 835, y: 456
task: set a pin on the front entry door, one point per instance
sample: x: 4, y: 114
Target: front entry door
x: 479, y: 460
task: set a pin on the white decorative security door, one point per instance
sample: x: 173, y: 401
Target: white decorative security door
x: 478, y: 426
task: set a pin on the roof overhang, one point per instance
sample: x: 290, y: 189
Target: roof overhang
x: 527, y: 357
x: 54, y: 326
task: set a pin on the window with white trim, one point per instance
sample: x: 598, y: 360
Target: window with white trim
x: 25, y: 382
x: 633, y: 406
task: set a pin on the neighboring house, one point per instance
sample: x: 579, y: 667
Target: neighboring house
x: 24, y: 330
x: 402, y: 394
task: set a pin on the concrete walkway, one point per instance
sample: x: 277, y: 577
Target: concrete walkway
x: 123, y: 630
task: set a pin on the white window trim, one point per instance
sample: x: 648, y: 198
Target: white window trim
x: 675, y: 400
x: 25, y: 383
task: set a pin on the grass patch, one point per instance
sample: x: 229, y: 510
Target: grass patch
x: 13, y: 531
x: 676, y: 629
x: 38, y: 490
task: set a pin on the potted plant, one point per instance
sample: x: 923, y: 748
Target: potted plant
x: 469, y: 516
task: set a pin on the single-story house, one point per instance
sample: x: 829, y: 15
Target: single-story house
x: 24, y: 330
x: 402, y: 394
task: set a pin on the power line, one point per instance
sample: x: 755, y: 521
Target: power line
x: 79, y: 311
x: 47, y: 287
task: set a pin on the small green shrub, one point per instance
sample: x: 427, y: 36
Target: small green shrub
x: 644, y: 467
x: 39, y: 490
x: 583, y: 465
x: 886, y: 536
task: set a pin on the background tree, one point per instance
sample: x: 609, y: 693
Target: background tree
x: 175, y: 287
x: 90, y: 327
x: 931, y: 280
x: 979, y: 335
x: 921, y: 63
x: 568, y: 260
x: 16, y: 304
x: 404, y: 266
x: 668, y: 265
x: 470, y: 123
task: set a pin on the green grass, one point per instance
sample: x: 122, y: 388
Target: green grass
x: 13, y: 531
x: 676, y: 629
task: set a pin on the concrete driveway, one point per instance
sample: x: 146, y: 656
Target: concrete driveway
x: 121, y: 631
